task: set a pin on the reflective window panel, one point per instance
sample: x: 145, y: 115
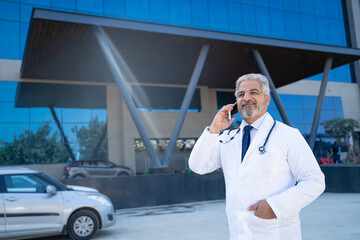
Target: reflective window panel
x: 29, y: 134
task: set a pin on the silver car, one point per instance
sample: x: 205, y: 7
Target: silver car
x: 32, y: 204
x: 95, y: 168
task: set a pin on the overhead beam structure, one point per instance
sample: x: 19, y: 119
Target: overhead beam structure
x: 66, y: 142
x: 112, y: 58
x: 62, y: 45
x: 273, y: 92
x: 100, y: 141
x: 186, y: 103
x: 320, y: 101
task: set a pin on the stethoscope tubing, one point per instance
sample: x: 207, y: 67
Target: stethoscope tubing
x: 262, y: 148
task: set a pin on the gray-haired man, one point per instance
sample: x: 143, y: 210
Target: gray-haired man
x: 266, y: 186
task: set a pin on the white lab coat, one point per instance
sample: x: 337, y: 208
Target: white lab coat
x: 272, y: 176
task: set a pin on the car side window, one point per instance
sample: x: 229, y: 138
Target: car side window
x: 24, y: 183
x: 89, y: 164
x: 103, y: 164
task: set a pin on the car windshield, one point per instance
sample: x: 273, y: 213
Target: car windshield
x: 60, y: 184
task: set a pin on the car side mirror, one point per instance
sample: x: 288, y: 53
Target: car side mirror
x: 51, y: 189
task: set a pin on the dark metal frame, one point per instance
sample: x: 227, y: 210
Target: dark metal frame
x: 183, y: 31
x: 320, y: 102
x: 66, y: 142
x: 113, y: 59
x: 99, y: 142
x: 186, y: 103
x: 273, y: 92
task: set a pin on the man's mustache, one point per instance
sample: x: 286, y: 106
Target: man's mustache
x: 248, y: 102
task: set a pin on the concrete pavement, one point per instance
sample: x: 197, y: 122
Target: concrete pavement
x: 332, y: 216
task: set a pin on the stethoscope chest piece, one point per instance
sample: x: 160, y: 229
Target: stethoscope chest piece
x: 262, y: 149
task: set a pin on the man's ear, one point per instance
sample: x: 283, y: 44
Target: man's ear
x: 268, y: 98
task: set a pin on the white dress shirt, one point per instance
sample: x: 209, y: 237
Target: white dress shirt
x: 256, y: 125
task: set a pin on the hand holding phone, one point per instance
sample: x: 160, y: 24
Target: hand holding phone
x: 221, y: 120
x: 233, y: 111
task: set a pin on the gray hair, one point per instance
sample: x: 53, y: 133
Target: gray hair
x: 254, y: 76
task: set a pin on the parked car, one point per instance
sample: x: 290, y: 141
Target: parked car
x: 33, y: 204
x: 95, y: 168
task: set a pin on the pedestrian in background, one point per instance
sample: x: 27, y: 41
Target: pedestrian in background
x: 336, y: 149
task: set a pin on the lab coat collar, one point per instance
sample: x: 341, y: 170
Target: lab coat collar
x: 255, y: 124
x: 260, y: 136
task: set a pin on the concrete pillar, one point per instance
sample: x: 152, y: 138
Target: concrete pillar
x: 208, y: 106
x: 115, y: 130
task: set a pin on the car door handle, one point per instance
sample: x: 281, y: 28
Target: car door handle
x: 12, y: 199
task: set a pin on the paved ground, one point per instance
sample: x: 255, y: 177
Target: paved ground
x: 331, y: 217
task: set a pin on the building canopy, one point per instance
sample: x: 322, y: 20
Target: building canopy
x: 63, y: 46
x: 81, y: 48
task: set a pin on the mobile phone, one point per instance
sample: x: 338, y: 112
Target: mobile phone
x: 233, y: 111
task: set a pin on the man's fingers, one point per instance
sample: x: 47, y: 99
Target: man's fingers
x: 263, y: 210
x: 232, y: 119
x: 253, y: 207
x: 228, y: 107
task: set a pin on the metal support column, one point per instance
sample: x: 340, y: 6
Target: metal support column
x: 186, y: 103
x: 273, y: 92
x: 112, y: 58
x: 66, y: 142
x: 320, y: 101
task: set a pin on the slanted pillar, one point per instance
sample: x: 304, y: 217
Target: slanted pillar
x: 319, y: 103
x: 186, y: 103
x: 273, y: 92
x: 112, y: 57
x: 99, y: 142
x: 66, y: 142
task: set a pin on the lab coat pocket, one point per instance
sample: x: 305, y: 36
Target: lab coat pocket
x: 264, y: 229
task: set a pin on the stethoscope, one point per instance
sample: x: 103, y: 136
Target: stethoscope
x: 262, y: 148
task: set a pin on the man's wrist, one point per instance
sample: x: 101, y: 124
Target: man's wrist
x: 212, y: 131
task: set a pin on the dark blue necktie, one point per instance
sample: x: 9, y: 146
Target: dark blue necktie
x: 245, y: 141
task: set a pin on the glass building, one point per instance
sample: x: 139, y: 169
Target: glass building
x: 52, y: 117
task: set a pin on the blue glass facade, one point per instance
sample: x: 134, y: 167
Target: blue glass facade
x: 31, y: 135
x: 299, y: 108
x: 320, y: 21
x: 312, y: 21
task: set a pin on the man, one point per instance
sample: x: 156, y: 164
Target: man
x: 265, y: 190
x: 336, y: 153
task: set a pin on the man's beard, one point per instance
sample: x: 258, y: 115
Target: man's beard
x: 249, y: 112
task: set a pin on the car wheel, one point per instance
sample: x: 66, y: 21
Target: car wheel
x: 83, y: 225
x: 79, y: 176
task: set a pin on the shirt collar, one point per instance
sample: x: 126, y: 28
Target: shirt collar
x: 255, y: 124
